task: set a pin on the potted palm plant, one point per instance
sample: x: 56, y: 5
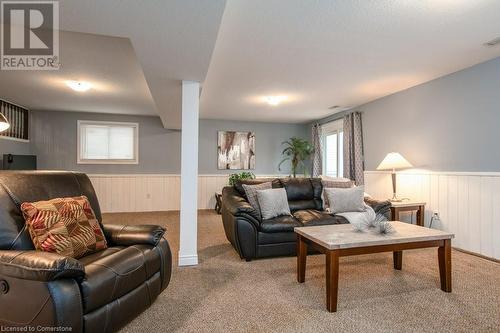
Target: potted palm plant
x: 297, y: 151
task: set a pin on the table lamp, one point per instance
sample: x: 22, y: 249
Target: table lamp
x: 394, y: 161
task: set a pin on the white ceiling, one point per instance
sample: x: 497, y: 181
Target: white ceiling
x: 173, y: 40
x: 325, y: 53
x: 109, y: 63
x: 319, y: 53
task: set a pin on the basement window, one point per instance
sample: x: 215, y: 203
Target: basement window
x: 102, y: 142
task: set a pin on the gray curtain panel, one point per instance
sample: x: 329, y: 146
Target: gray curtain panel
x: 317, y: 167
x: 353, y: 148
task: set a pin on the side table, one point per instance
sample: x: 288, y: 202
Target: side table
x: 406, y: 206
x: 218, y: 202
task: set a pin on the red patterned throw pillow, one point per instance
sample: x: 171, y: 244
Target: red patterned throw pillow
x: 66, y: 226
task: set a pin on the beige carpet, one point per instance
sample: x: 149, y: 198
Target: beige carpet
x: 226, y: 294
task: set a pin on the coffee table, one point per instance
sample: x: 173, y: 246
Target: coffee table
x: 341, y: 240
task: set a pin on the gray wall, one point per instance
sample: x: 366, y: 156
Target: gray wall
x: 13, y: 147
x: 268, y: 139
x: 448, y: 124
x: 53, y: 140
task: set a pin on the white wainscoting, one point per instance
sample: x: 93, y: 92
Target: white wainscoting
x: 137, y: 193
x: 152, y: 192
x: 468, y: 204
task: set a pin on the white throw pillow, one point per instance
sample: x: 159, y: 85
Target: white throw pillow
x: 343, y: 200
x: 273, y: 203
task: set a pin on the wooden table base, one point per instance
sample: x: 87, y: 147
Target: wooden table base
x: 444, y: 256
x: 332, y: 262
x: 332, y: 280
x: 397, y: 257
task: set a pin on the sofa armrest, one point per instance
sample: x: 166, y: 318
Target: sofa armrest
x: 237, y: 205
x: 379, y: 206
x: 126, y: 235
x: 39, y: 266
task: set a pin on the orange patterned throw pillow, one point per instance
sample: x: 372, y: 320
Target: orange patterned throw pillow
x: 66, y: 226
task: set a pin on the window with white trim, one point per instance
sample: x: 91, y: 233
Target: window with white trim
x: 101, y: 142
x: 333, y: 149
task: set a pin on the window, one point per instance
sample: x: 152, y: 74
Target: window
x: 333, y: 149
x: 107, y: 143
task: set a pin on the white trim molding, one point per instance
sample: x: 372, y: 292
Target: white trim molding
x: 188, y: 260
x: 14, y: 139
x: 428, y: 172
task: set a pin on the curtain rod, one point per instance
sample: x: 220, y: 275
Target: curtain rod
x: 334, y: 117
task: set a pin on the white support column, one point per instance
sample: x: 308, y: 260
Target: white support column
x: 188, y: 249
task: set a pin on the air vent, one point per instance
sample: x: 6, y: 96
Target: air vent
x: 18, y: 118
x: 334, y: 107
x: 493, y: 42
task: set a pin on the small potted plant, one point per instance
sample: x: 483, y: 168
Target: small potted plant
x: 234, y: 177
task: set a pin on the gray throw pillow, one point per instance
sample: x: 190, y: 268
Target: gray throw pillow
x: 273, y: 203
x: 251, y: 192
x: 342, y: 200
x: 333, y: 184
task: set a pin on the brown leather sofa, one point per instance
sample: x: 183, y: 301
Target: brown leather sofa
x: 253, y: 237
x: 97, y: 293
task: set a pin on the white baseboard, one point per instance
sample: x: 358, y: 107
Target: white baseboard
x: 188, y: 260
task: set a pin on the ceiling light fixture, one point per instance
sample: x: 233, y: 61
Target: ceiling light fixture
x: 80, y: 86
x: 493, y: 42
x: 275, y: 100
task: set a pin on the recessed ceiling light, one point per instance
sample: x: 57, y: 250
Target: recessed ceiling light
x: 493, y: 42
x: 275, y: 100
x: 80, y: 86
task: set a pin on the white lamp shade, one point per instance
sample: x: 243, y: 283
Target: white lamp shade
x: 394, y: 161
x: 4, y: 123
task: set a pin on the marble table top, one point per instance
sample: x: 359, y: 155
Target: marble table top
x: 342, y: 236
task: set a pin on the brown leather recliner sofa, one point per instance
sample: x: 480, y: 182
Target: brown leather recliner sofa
x: 97, y: 293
